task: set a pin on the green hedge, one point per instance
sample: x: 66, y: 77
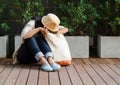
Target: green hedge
x: 82, y: 17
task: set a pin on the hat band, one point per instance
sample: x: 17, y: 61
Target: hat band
x: 54, y: 32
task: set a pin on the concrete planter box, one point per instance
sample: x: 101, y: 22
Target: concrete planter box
x: 79, y: 45
x: 3, y: 46
x: 109, y: 46
x: 17, y: 41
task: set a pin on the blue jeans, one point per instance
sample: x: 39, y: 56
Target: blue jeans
x: 32, y: 49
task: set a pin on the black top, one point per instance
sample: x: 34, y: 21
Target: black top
x: 38, y: 23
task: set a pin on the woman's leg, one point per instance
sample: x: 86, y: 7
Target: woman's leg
x: 33, y: 54
x: 29, y: 51
x: 33, y: 48
x: 23, y: 55
x: 47, y: 51
x: 44, y: 46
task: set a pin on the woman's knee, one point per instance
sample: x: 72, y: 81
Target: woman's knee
x: 32, y: 45
x: 31, y: 39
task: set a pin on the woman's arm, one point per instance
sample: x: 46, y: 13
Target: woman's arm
x: 32, y: 32
x: 29, y: 30
x: 63, y: 30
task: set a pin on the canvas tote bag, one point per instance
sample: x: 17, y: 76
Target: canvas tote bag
x: 60, y: 48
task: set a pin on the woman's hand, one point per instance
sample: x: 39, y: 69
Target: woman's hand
x: 63, y: 30
x: 44, y: 31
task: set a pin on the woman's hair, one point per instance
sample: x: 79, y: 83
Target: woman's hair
x: 38, y: 22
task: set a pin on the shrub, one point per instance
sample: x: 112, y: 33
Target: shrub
x: 78, y: 16
x: 15, y: 13
x: 109, y: 19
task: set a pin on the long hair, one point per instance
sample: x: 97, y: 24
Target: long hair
x: 38, y: 22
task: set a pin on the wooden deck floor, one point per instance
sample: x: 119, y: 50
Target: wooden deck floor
x: 92, y: 71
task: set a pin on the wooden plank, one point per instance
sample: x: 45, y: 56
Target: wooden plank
x: 115, y: 69
x: 1, y: 68
x: 23, y: 76
x: 13, y: 75
x: 53, y: 78
x: 94, y: 75
x: 87, y: 61
x: 43, y: 78
x: 83, y: 75
x: 5, y: 61
x: 104, y: 75
x: 111, y: 73
x: 118, y: 65
x: 75, y: 79
x: 64, y: 77
x: 102, y: 61
x: 78, y: 61
x: 117, y: 61
x: 110, y: 61
x: 5, y: 73
x: 94, y: 60
x: 33, y: 76
x: 74, y: 61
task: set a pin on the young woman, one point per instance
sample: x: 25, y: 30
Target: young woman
x: 34, y: 48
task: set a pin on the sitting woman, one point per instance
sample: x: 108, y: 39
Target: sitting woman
x: 34, y: 48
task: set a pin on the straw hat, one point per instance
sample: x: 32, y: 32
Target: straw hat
x: 51, y: 21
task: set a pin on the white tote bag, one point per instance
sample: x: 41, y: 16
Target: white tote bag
x: 60, y: 48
